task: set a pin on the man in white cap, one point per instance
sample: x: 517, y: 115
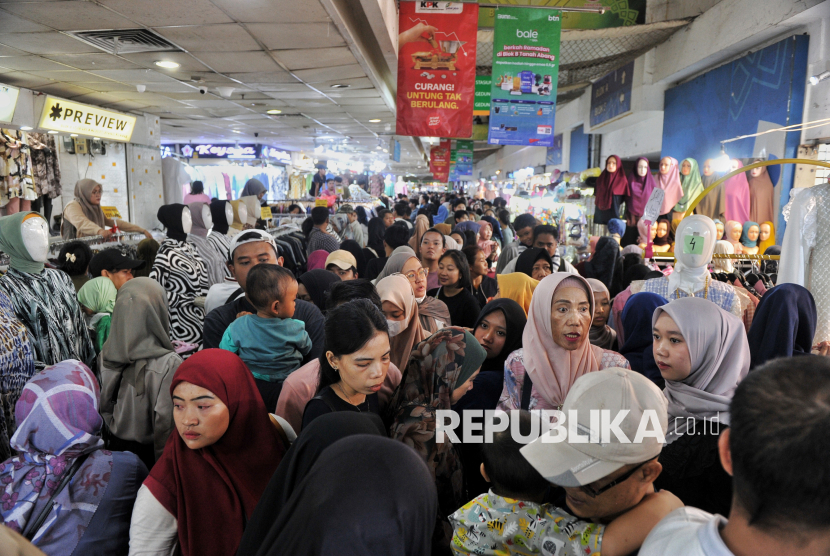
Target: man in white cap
x: 342, y: 263
x: 248, y: 249
x: 604, y: 475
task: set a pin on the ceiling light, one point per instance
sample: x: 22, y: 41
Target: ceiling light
x: 236, y: 131
x: 378, y: 147
x: 167, y: 64
x: 374, y: 120
x: 52, y: 132
x: 340, y: 86
x: 273, y: 111
x: 386, y: 150
x: 26, y: 128
x: 96, y: 138
x: 73, y: 134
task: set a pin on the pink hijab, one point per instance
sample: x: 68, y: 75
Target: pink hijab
x: 485, y: 245
x: 552, y: 368
x: 670, y: 183
x: 317, y: 259
x: 736, y: 192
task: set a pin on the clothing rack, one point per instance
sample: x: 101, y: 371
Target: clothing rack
x: 670, y: 256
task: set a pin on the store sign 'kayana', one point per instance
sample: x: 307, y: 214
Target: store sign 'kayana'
x: 83, y: 119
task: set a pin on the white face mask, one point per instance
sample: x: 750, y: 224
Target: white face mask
x: 35, y: 234
x: 395, y: 327
x: 229, y: 213
x: 207, y: 219
x: 243, y: 212
x: 187, y: 220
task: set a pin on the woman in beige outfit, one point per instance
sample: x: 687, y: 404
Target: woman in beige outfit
x: 83, y: 215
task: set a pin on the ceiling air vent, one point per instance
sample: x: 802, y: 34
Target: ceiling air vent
x: 125, y: 41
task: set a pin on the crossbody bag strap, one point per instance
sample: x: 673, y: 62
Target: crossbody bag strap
x: 527, y: 387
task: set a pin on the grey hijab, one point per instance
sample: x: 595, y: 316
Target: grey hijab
x: 83, y: 191
x: 252, y: 187
x: 394, y: 265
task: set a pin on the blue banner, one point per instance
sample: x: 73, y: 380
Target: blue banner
x: 554, y: 155
x: 611, y: 95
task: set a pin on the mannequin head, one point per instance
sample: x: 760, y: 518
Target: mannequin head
x: 690, y: 253
x: 187, y: 220
x: 753, y: 232
x: 611, y: 164
x: 707, y: 167
x: 755, y: 172
x: 665, y: 165
x: 719, y: 227
x: 653, y: 231
x: 765, y: 231
x: 642, y: 168
x: 733, y: 231
x: 229, y: 213
x: 207, y: 219
x: 35, y: 234
x: 735, y: 164
x: 662, y: 229
x: 243, y: 213
x: 686, y: 168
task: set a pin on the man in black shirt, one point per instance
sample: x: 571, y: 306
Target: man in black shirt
x: 318, y: 181
x: 249, y: 249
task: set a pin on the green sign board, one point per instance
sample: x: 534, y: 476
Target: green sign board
x: 481, y: 105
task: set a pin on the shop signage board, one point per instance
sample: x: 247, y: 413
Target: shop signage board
x: 8, y: 102
x: 554, y: 154
x: 618, y: 13
x: 453, y: 157
x: 464, y: 159
x: 111, y: 212
x: 611, y: 95
x: 265, y: 213
x: 280, y: 156
x: 439, y: 160
x: 73, y: 117
x: 436, y: 68
x: 525, y: 73
x: 481, y: 106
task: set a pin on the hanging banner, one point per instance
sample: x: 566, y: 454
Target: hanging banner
x: 439, y: 160
x: 73, y: 117
x: 618, y: 13
x: 464, y: 159
x: 436, y: 68
x: 525, y: 73
x: 611, y: 95
x: 453, y: 173
x: 482, y: 101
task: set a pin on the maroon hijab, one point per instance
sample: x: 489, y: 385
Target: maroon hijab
x: 641, y: 189
x: 611, y: 184
x: 209, y: 489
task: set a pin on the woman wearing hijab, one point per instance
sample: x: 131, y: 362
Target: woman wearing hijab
x: 517, y: 286
x: 639, y: 339
x: 668, y: 179
x: 713, y: 204
x: 535, y: 262
x: 313, y: 285
x: 736, y: 194
x: 441, y: 371
x: 556, y: 348
x: 253, y: 187
x: 389, y: 491
x: 138, y: 362
x: 611, y: 189
x: 215, y: 466
x: 146, y: 251
x: 445, y: 229
x: 601, y: 335
x: 44, y: 299
x: 218, y: 236
x: 59, y: 430
x: 605, y: 265
x: 237, y: 225
x: 641, y: 188
x: 97, y: 299
x: 702, y: 353
x: 691, y: 182
x: 295, y: 466
x: 400, y: 307
x: 83, y: 216
x: 784, y: 324
x: 17, y: 365
x: 761, y: 195
x: 317, y: 259
x: 421, y: 226
x: 377, y: 228
x: 182, y: 274
x: 197, y: 237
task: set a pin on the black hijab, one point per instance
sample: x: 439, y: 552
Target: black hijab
x: 376, y: 230
x: 526, y: 260
x: 386, y: 507
x: 170, y: 217
x: 606, y: 264
x: 217, y: 213
x: 354, y: 248
x: 318, y: 282
x: 784, y: 324
x: 635, y: 272
x: 295, y: 465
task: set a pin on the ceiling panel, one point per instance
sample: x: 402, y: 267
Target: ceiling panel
x: 10, y: 23
x: 278, y: 77
x: 70, y: 76
x: 227, y: 37
x: 130, y: 75
x: 46, y: 43
x: 315, y: 57
x: 322, y: 75
x: 265, y: 11
x: 226, y: 62
x: 97, y: 98
x: 65, y: 90
x: 187, y: 63
x: 170, y: 87
x: 108, y: 86
x: 29, y: 63
x: 70, y: 16
x: 153, y: 13
x: 9, y: 51
x: 98, y: 61
x: 209, y: 103
x: 284, y: 36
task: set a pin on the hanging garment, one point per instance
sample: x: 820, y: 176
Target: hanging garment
x: 761, y: 197
x: 16, y: 167
x: 17, y: 365
x: 45, y: 168
x: 182, y: 274
x: 736, y: 193
x: 722, y: 295
x: 670, y: 183
x: 713, y: 204
x: 692, y: 186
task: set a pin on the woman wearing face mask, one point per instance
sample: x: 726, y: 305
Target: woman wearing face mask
x: 201, y: 493
x: 441, y: 371
x: 484, y: 288
x: 702, y: 353
x: 454, y: 290
x: 83, y: 216
x: 601, y: 335
x: 432, y: 313
x: 401, y: 310
x: 355, y: 363
x: 535, y: 262
x: 556, y: 347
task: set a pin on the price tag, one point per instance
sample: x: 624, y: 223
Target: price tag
x: 265, y: 213
x: 321, y: 203
x: 111, y: 212
x: 693, y: 245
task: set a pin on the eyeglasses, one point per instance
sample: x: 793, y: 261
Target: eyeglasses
x: 621, y: 479
x: 414, y: 274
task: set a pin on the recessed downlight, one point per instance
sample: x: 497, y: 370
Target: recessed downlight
x: 273, y: 111
x: 374, y: 120
x: 26, y: 128
x: 340, y: 86
x: 52, y: 132
x: 167, y: 64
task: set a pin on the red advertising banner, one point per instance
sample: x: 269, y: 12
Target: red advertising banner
x: 439, y: 160
x: 436, y: 68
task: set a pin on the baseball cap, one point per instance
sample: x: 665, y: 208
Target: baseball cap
x: 346, y: 209
x: 111, y: 260
x: 572, y: 464
x: 250, y: 236
x: 342, y: 258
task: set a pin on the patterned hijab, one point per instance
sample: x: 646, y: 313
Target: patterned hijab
x: 83, y: 193
x: 58, y: 421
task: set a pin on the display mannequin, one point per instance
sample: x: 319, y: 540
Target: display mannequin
x: 668, y: 179
x: 642, y: 184
x: 736, y: 193
x: 611, y: 190
x: 202, y: 223
x: 661, y: 240
x: 732, y: 233
x: 43, y: 298
x: 222, y: 215
x: 749, y: 237
x: 182, y: 274
x: 695, y: 241
x: 767, y: 237
x: 692, y: 185
x: 240, y: 217
x: 761, y: 195
x: 805, y: 250
x: 713, y: 204
x: 252, y: 206
x: 719, y: 226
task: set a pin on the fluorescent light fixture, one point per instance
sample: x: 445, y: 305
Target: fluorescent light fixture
x: 386, y: 150
x: 816, y: 79
x: 340, y: 86
x: 167, y: 64
x: 273, y: 111
x: 96, y: 138
x: 374, y: 120
x: 73, y: 134
x: 26, y: 128
x: 52, y: 132
x: 236, y: 131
